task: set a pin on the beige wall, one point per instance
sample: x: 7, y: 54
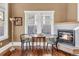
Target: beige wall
x: 61, y: 9
x: 72, y: 12
x: 64, y: 12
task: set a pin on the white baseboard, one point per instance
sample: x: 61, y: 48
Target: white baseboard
x: 16, y: 43
x: 2, y: 49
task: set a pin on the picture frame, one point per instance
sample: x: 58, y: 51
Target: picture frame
x: 2, y: 15
x: 18, y: 21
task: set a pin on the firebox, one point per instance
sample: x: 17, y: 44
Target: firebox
x: 67, y: 36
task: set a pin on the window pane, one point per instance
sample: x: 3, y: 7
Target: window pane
x: 32, y: 29
x: 31, y: 19
x: 46, y: 29
x: 47, y: 19
x: 1, y: 28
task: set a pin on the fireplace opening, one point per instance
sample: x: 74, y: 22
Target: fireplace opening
x: 67, y: 37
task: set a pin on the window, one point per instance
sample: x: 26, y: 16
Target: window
x: 1, y: 28
x: 37, y: 22
x: 3, y: 21
x: 46, y: 26
x: 32, y: 28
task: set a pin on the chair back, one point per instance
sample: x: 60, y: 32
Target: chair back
x: 53, y: 39
x: 38, y: 41
x: 24, y: 37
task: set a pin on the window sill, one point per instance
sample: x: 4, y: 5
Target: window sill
x: 3, y: 38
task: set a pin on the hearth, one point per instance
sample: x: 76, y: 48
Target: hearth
x: 67, y: 36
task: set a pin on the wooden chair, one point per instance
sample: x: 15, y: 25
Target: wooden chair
x: 54, y: 42
x: 25, y: 38
x: 38, y: 41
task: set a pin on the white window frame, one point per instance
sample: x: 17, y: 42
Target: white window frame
x: 39, y: 31
x: 5, y: 10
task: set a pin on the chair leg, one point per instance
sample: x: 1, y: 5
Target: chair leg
x: 52, y: 49
x: 57, y: 47
x: 47, y: 47
x: 22, y: 48
x: 29, y: 45
x: 26, y: 46
x: 32, y: 46
x: 44, y: 46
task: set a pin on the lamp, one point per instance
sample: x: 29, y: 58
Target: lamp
x: 12, y: 21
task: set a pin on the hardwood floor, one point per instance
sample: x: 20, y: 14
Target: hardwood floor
x: 37, y: 52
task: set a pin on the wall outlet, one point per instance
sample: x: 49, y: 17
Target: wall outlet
x: 0, y: 43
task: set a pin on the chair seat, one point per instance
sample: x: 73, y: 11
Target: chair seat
x: 27, y: 41
x: 50, y: 42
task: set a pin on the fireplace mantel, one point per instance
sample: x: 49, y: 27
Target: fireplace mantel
x: 68, y: 48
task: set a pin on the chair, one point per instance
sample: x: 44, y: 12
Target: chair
x: 53, y: 41
x: 25, y: 38
x: 38, y: 41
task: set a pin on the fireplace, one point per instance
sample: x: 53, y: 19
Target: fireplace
x: 67, y: 37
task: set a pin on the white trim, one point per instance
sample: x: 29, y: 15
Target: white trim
x: 16, y: 43
x: 39, y: 11
x: 5, y: 47
x: 3, y: 38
